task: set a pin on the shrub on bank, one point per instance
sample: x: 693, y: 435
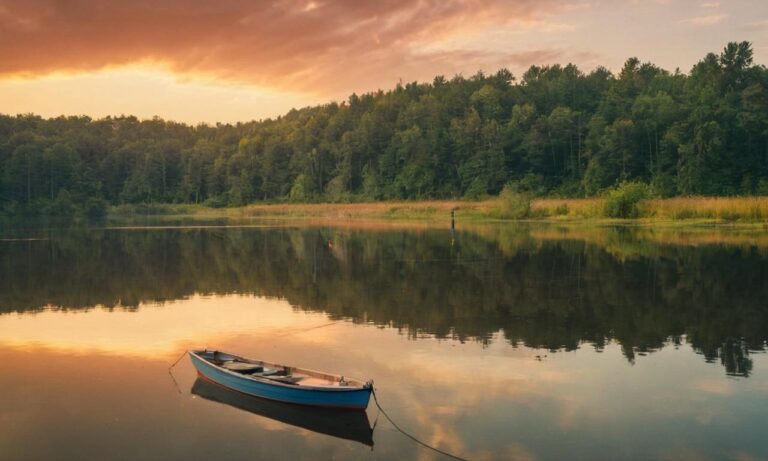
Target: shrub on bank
x: 623, y: 201
x: 514, y: 204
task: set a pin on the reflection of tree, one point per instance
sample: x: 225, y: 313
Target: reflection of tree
x: 553, y: 293
x: 733, y: 354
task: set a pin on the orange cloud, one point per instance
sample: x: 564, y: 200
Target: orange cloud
x: 326, y: 46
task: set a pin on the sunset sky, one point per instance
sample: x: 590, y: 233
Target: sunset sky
x: 237, y: 60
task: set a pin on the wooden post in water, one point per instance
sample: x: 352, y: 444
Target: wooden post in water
x: 453, y: 226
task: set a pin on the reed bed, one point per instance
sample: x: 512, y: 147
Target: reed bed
x: 748, y: 209
x: 571, y: 207
x: 430, y: 209
x: 717, y: 209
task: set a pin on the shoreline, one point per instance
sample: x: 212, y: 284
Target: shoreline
x: 706, y: 212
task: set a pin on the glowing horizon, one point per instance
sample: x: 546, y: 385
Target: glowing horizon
x: 144, y: 92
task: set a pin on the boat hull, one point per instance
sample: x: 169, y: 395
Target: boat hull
x: 331, y: 398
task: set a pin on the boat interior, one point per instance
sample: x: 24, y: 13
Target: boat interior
x: 260, y: 370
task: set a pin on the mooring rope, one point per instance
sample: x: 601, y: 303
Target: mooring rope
x: 170, y: 370
x: 304, y: 330
x: 408, y: 434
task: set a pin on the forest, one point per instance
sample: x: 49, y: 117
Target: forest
x: 555, y: 131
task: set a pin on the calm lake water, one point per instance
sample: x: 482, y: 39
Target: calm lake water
x: 490, y: 342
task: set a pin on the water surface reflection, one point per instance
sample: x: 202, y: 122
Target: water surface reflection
x: 496, y: 342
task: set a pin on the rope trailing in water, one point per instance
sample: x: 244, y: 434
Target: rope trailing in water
x: 407, y: 434
x: 170, y: 370
x: 303, y: 330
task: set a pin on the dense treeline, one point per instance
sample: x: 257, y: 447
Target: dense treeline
x: 555, y: 131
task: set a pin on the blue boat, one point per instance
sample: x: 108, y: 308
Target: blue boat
x: 282, y: 383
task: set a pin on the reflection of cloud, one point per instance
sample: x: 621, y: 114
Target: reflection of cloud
x: 509, y: 452
x: 744, y: 456
x: 684, y: 453
x: 713, y: 386
x: 155, y: 329
x: 570, y: 413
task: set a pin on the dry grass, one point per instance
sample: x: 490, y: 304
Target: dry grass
x: 751, y: 209
x: 714, y: 209
x: 392, y: 210
x: 572, y: 207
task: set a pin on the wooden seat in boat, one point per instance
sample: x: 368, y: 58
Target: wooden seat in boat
x: 286, y: 379
x: 242, y: 367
